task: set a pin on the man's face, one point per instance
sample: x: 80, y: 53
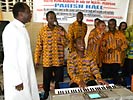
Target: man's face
x: 80, y: 45
x: 26, y: 16
x: 79, y: 17
x: 51, y: 18
x: 111, y: 25
x: 102, y: 26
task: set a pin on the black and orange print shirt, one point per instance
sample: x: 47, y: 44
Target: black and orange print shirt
x: 112, y: 42
x: 50, y: 44
x: 76, y: 30
x: 82, y: 68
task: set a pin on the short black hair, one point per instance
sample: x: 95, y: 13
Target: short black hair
x: 80, y: 13
x: 99, y: 22
x: 49, y: 13
x: 112, y: 20
x: 19, y: 7
x: 96, y: 19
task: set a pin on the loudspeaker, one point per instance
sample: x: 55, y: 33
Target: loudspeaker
x: 2, y: 26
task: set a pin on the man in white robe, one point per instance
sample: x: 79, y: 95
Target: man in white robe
x: 18, y: 71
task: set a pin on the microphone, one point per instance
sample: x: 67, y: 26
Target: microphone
x: 56, y: 23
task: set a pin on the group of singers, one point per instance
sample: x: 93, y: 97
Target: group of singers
x: 106, y: 50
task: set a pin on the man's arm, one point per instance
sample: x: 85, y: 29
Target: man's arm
x: 72, y: 70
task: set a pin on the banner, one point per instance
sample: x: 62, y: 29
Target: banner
x: 66, y: 10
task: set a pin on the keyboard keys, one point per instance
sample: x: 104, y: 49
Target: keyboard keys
x: 86, y: 89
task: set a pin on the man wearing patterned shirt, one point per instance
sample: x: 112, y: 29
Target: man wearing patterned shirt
x: 112, y: 46
x: 76, y: 29
x: 51, y: 42
x: 94, y: 41
x: 82, y: 68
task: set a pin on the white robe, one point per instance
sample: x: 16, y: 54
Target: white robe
x: 18, y: 63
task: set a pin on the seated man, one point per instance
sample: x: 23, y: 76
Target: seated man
x: 82, y: 67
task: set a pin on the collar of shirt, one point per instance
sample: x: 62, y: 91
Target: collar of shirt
x: 76, y: 23
x: 19, y: 23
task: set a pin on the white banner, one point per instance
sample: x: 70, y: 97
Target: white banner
x: 66, y: 10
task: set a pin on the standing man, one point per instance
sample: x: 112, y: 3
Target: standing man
x: 94, y: 41
x: 112, y: 46
x: 51, y: 42
x: 19, y: 75
x: 76, y: 29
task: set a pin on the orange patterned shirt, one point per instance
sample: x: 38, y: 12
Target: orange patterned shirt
x: 113, y: 41
x: 76, y: 30
x: 50, y: 44
x: 82, y: 68
x: 94, y: 41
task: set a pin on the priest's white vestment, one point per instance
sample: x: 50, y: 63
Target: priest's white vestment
x: 18, y: 63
